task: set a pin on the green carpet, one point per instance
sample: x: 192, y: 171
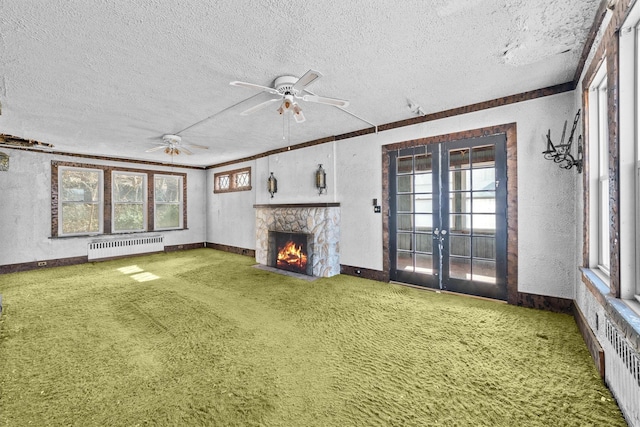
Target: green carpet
x: 202, y: 338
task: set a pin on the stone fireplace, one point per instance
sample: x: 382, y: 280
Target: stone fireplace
x: 317, y: 227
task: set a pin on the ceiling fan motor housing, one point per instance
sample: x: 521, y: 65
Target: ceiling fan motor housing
x: 284, y: 84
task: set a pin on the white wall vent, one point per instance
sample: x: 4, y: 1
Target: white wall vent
x: 622, y: 373
x: 111, y: 248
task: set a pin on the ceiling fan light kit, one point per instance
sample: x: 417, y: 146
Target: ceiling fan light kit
x: 172, y: 145
x: 288, y: 89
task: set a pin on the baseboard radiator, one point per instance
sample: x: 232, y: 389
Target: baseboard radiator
x: 622, y: 373
x: 111, y: 248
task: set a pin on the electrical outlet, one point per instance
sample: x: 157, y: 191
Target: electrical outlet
x: 42, y: 263
x: 377, y: 209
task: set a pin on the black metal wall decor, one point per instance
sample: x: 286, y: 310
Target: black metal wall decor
x: 561, y: 153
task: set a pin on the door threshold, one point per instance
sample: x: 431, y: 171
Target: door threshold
x: 442, y: 291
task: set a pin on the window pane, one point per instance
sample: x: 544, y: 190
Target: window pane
x: 459, y: 159
x: 460, y: 202
x: 424, y: 243
x: 484, y: 224
x: 167, y: 188
x: 405, y: 203
x: 460, y: 268
x: 460, y: 224
x: 404, y: 184
x: 424, y: 264
x: 128, y: 188
x: 167, y: 216
x: 483, y: 179
x: 405, y: 165
x: 405, y: 222
x: 223, y: 182
x: 424, y: 222
x: 484, y: 202
x: 242, y: 179
x: 404, y: 261
x: 423, y: 162
x: 484, y: 247
x: 424, y: 183
x: 128, y: 217
x: 404, y: 241
x: 459, y: 181
x: 483, y: 156
x: 460, y: 245
x: 80, y: 218
x: 423, y: 203
x: 80, y: 186
x: 484, y: 271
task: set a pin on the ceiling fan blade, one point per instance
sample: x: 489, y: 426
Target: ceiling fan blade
x: 159, y: 147
x: 307, y: 78
x: 202, y: 147
x: 255, y: 87
x: 299, y: 117
x: 324, y: 100
x: 185, y: 149
x: 258, y: 107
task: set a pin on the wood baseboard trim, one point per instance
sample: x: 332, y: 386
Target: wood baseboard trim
x: 597, y: 353
x: 231, y: 249
x: 39, y: 265
x: 365, y: 273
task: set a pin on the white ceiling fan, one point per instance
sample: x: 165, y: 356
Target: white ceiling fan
x: 173, y: 145
x: 287, y: 89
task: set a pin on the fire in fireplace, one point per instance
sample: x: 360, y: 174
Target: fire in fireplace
x: 290, y: 251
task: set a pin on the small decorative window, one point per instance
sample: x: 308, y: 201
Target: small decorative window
x: 235, y: 180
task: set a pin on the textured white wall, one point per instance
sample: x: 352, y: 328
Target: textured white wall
x: 25, y: 209
x: 546, y: 193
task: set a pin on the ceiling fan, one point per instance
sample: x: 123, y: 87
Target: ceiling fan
x: 172, y: 144
x: 287, y: 89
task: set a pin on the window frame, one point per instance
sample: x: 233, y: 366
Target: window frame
x: 114, y: 203
x: 233, y: 177
x: 599, y: 164
x: 106, y: 211
x: 180, y: 203
x: 99, y: 202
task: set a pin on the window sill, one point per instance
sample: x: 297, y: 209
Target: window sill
x: 132, y: 233
x: 625, y: 314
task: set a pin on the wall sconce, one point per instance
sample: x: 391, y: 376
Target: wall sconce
x: 321, y: 180
x: 272, y: 185
x: 561, y: 153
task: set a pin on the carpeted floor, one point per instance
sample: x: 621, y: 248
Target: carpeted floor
x: 202, y: 338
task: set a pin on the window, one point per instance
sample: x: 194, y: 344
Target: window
x: 235, y: 180
x: 599, y: 257
x: 168, y: 201
x: 80, y: 202
x: 96, y: 199
x: 129, y: 199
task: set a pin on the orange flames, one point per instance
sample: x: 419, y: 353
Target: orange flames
x: 292, y: 255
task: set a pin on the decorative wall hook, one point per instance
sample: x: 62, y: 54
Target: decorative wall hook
x: 561, y: 153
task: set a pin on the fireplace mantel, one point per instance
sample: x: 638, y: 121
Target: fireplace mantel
x: 321, y: 220
x: 298, y: 205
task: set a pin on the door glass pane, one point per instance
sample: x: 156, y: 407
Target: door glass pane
x: 460, y: 268
x: 404, y: 184
x: 405, y: 203
x: 484, y: 202
x: 460, y: 245
x: 460, y: 224
x: 405, y: 222
x: 459, y: 180
x: 424, y: 222
x: 423, y: 162
x: 404, y: 261
x: 424, y: 243
x: 484, y: 247
x: 460, y: 202
x: 404, y: 241
x: 424, y: 183
x: 485, y: 156
x: 484, y: 224
x: 484, y: 271
x: 459, y: 158
x: 405, y: 165
x: 483, y: 179
x: 424, y: 203
x: 424, y: 264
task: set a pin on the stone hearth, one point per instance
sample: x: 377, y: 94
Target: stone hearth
x: 321, y: 220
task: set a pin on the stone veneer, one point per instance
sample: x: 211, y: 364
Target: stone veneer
x: 321, y: 220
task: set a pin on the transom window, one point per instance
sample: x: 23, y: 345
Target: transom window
x: 235, y: 180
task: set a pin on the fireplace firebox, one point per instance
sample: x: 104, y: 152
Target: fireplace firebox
x: 291, y: 252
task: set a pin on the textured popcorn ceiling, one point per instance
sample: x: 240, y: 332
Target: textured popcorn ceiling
x: 106, y: 77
